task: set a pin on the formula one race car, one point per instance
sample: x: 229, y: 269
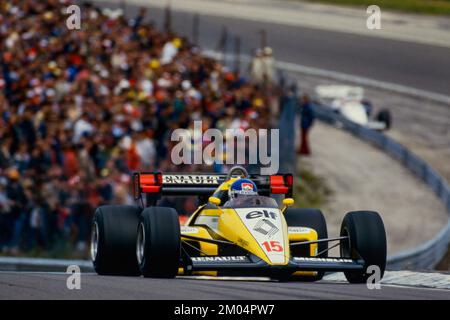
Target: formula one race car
x: 238, y: 229
x: 349, y: 102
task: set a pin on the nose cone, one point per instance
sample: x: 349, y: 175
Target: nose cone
x: 262, y: 231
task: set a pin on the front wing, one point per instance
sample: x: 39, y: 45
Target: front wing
x: 253, y: 264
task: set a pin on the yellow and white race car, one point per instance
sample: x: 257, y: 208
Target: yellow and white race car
x: 238, y: 229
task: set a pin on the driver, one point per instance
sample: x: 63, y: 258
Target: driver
x: 242, y: 187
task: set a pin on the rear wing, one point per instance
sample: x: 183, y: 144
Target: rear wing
x: 156, y: 184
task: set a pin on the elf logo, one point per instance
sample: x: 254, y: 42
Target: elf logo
x: 259, y: 214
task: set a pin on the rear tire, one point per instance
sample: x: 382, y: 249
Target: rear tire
x: 314, y: 219
x: 113, y: 240
x: 367, y: 241
x: 385, y: 116
x: 158, y: 242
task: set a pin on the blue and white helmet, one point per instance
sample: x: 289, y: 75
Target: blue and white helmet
x: 242, y: 187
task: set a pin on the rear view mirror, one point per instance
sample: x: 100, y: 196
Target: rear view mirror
x: 288, y: 202
x: 214, y: 200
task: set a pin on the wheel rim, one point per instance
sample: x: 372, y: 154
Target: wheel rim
x: 94, y: 241
x: 140, y: 244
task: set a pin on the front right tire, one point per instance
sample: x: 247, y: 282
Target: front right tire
x: 367, y: 241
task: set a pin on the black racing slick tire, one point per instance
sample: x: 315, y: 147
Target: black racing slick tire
x: 385, y: 116
x: 113, y: 240
x: 367, y: 241
x: 314, y: 219
x: 158, y: 242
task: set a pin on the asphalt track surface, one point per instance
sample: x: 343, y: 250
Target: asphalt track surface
x: 416, y: 65
x: 50, y: 286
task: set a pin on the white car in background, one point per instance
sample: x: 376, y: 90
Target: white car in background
x: 349, y: 102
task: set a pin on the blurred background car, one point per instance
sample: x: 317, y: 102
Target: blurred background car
x: 349, y: 101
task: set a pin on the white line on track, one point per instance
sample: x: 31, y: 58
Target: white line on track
x: 299, y: 68
x: 432, y: 280
x: 413, y: 287
x: 264, y: 279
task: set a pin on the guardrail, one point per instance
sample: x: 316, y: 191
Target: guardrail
x: 427, y: 255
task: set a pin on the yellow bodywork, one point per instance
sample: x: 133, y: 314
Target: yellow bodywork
x: 231, y: 227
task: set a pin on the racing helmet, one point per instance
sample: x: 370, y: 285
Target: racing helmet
x: 242, y: 187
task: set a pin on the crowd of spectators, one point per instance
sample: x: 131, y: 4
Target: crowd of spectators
x: 82, y: 109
